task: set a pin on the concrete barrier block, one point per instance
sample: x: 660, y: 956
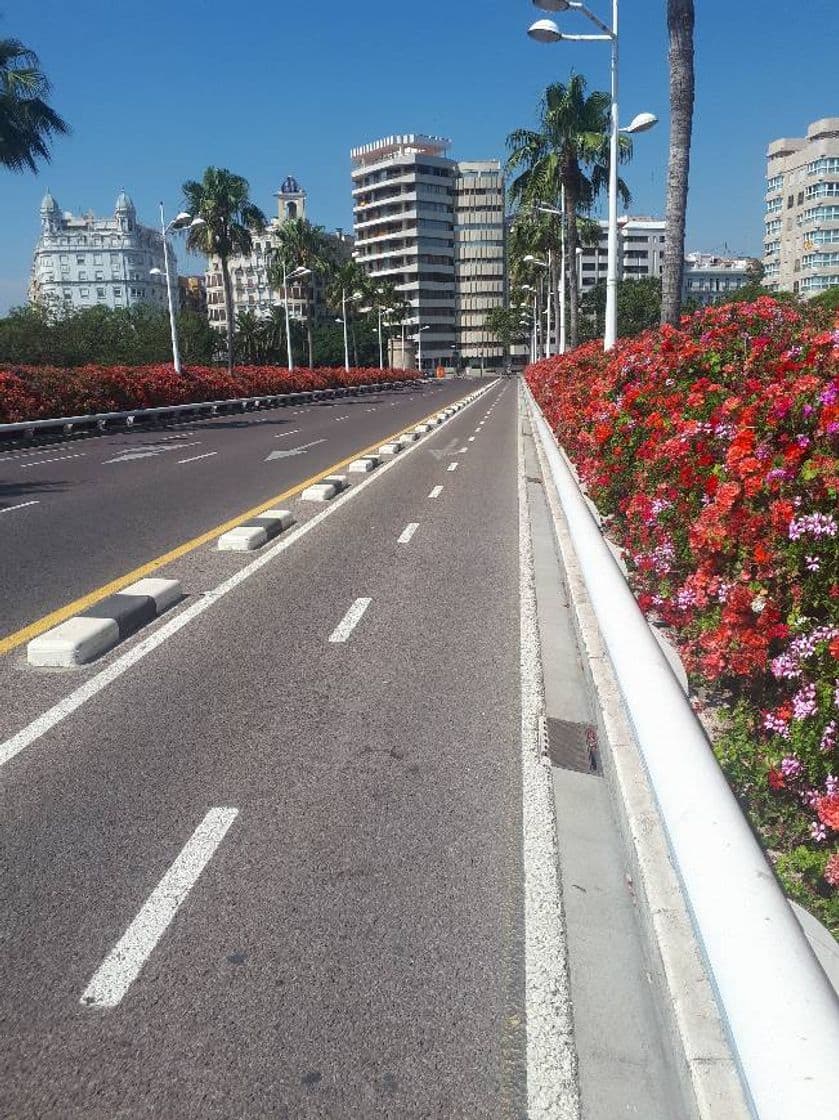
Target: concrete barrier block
x: 284, y: 516
x: 390, y: 449
x: 74, y: 642
x: 361, y: 466
x: 243, y: 538
x: 320, y: 492
x: 421, y: 429
x: 165, y: 592
x: 339, y: 481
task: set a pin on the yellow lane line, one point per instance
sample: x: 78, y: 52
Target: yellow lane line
x: 12, y: 641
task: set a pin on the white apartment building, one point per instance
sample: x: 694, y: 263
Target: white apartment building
x: 87, y: 261
x: 708, y: 278
x: 801, y: 220
x: 433, y: 228
x: 640, y: 251
x: 249, y: 274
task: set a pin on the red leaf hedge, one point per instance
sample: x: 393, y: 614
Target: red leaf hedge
x: 713, y: 452
x: 43, y: 392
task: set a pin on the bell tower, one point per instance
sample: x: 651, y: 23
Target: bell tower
x: 291, y: 200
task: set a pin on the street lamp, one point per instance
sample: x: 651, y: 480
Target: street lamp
x: 418, y: 339
x: 295, y: 274
x: 549, y: 266
x: 180, y: 221
x: 530, y: 288
x: 546, y: 31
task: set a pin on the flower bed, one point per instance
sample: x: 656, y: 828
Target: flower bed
x: 713, y: 452
x: 42, y: 392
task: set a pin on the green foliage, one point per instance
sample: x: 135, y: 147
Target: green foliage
x: 121, y: 336
x: 827, y: 300
x: 801, y: 872
x: 505, y: 324
x: 27, y: 122
x: 639, y: 307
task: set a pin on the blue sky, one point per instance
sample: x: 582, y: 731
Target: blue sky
x: 158, y: 90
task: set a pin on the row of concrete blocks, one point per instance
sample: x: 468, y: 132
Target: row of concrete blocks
x: 84, y: 637
x: 88, y: 635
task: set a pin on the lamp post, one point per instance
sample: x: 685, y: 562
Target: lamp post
x: 344, y: 321
x: 419, y: 344
x: 562, y: 266
x: 549, y: 266
x: 295, y: 274
x: 535, y: 321
x: 546, y: 31
x: 180, y: 221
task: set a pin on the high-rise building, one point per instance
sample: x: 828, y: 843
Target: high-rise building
x: 250, y: 288
x: 640, y: 251
x: 708, y: 278
x: 434, y: 228
x: 801, y: 220
x: 87, y: 261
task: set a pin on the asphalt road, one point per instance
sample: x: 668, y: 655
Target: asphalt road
x: 353, y: 944
x: 80, y: 513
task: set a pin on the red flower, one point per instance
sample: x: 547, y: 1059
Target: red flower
x: 775, y: 779
x: 827, y: 808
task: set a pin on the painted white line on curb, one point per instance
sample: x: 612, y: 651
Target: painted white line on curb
x: 22, y: 505
x: 122, y: 965
x: 350, y: 620
x: 195, y: 458
x: 60, y: 459
x: 552, y: 1086
x: 64, y: 708
x: 452, y: 467
x: 407, y: 533
x: 436, y: 492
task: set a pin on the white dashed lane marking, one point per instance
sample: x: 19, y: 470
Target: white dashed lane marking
x: 195, y: 458
x: 350, y: 620
x: 121, y: 967
x: 21, y: 505
x: 436, y: 492
x: 451, y: 467
x: 408, y: 532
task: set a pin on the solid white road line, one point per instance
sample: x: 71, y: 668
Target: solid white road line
x: 552, y: 1089
x: 22, y: 505
x: 436, y: 492
x: 350, y: 620
x: 407, y: 532
x: 452, y: 467
x: 60, y: 459
x: 122, y: 965
x: 195, y: 458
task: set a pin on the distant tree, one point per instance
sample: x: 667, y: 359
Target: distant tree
x: 755, y: 271
x: 639, y: 307
x: 827, y: 300
x: 569, y: 149
x: 302, y: 245
x: 230, y: 218
x: 27, y: 123
x: 680, y: 21
x: 505, y: 323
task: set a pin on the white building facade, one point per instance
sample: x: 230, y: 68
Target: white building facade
x: 434, y: 228
x: 85, y: 261
x: 708, y: 278
x: 640, y: 251
x: 801, y: 218
x: 251, y: 290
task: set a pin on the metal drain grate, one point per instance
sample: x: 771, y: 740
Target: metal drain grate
x: 571, y: 746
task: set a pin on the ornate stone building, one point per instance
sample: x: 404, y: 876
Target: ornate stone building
x: 87, y: 261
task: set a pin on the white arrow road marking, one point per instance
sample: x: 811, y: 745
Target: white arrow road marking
x: 148, y: 452
x: 293, y: 450
x: 449, y: 449
x: 122, y: 965
x: 350, y: 620
x: 22, y: 505
x: 195, y: 458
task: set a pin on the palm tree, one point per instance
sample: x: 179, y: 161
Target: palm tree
x: 229, y: 217
x: 570, y: 149
x: 680, y: 20
x: 301, y: 245
x: 26, y: 120
x: 250, y: 336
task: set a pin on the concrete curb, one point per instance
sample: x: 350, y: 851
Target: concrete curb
x: 256, y: 532
x: 84, y: 637
x: 706, y: 1066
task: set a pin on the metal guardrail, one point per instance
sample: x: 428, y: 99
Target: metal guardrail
x: 67, y: 425
x: 778, y: 1005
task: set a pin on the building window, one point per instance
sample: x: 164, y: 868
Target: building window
x: 84, y: 293
x: 83, y: 276
x: 100, y: 293
x: 117, y: 293
x: 79, y: 260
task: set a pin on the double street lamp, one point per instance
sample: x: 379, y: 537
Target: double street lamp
x: 179, y: 222
x: 548, y: 265
x: 546, y: 31
x: 295, y: 274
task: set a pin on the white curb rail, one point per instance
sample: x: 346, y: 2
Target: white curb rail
x: 780, y: 1011
x: 84, y: 637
